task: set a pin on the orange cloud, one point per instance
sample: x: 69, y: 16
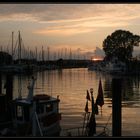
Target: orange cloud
x: 63, y: 32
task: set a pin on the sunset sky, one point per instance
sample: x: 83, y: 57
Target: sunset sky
x: 81, y: 27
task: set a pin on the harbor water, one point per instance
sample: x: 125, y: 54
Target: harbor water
x: 72, y: 84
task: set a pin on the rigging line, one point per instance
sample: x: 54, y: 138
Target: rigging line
x: 23, y: 45
x: 38, y: 124
x: 21, y: 41
x: 8, y: 44
x: 108, y: 120
x: 24, y: 49
x: 14, y: 50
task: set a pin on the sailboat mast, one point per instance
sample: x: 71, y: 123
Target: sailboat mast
x: 61, y: 53
x: 65, y: 53
x: 48, y: 53
x: 70, y: 57
x: 36, y: 53
x: 12, y: 42
x: 12, y: 46
x: 42, y: 54
x: 19, y: 48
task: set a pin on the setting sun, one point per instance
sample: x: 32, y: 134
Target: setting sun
x: 97, y: 59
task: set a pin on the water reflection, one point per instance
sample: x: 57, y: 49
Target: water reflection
x: 72, y: 84
x: 130, y: 90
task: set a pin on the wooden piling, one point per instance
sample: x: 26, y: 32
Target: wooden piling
x: 9, y: 95
x: 116, y: 107
x: 0, y: 84
x: 9, y: 87
x: 2, y: 105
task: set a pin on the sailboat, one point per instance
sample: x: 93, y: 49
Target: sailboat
x: 19, y: 67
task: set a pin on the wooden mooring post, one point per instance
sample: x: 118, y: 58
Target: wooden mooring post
x: 2, y: 100
x: 0, y: 84
x: 5, y: 99
x: 116, y: 107
x: 9, y: 95
x: 9, y: 87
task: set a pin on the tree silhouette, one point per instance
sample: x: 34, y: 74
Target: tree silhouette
x: 120, y: 44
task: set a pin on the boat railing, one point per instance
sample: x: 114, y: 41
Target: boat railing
x: 82, y: 132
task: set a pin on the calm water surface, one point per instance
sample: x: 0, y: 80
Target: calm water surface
x: 71, y: 86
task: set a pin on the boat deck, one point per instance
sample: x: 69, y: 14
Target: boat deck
x: 101, y: 131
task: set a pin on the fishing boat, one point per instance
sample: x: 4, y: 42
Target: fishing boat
x: 36, y: 115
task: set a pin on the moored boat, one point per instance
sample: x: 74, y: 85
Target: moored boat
x: 36, y: 115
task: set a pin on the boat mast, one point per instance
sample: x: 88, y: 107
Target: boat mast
x: 28, y: 53
x: 48, y: 53
x: 42, y: 54
x: 36, y: 53
x: 70, y: 57
x: 12, y: 46
x: 65, y: 53
x: 19, y: 48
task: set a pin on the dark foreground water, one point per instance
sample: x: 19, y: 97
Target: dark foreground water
x: 71, y: 86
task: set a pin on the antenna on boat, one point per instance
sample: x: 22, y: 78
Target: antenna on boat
x: 31, y: 88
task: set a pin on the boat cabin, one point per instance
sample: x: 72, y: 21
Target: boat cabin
x: 39, y: 117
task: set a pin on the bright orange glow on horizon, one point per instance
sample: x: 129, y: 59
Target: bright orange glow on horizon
x: 97, y: 59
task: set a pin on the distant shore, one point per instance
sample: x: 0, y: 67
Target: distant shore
x: 28, y: 67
